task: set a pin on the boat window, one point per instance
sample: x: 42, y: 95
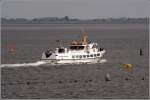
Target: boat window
x: 76, y: 56
x: 98, y: 54
x: 87, y: 55
x: 84, y: 56
x: 80, y: 56
x: 94, y: 55
x: 76, y: 47
x: 73, y: 56
x: 61, y: 50
x: 91, y: 55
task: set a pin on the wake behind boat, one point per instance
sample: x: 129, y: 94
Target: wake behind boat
x: 79, y: 51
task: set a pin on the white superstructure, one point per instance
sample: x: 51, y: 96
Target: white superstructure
x: 80, y: 51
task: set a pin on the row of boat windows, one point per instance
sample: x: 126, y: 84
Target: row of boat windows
x: 86, y: 56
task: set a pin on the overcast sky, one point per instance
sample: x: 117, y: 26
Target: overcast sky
x: 84, y: 9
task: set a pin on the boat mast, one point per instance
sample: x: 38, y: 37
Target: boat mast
x: 84, y: 38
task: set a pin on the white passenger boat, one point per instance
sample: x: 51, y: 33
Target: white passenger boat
x: 79, y: 51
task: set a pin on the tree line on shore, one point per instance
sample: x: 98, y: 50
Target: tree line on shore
x: 67, y: 20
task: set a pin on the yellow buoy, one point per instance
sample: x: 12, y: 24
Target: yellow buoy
x: 127, y: 66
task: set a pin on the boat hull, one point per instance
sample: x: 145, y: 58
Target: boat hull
x: 65, y: 61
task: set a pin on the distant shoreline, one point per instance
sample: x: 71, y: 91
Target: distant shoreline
x: 67, y: 20
x: 69, y: 23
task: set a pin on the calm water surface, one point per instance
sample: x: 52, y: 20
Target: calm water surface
x: 121, y: 41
